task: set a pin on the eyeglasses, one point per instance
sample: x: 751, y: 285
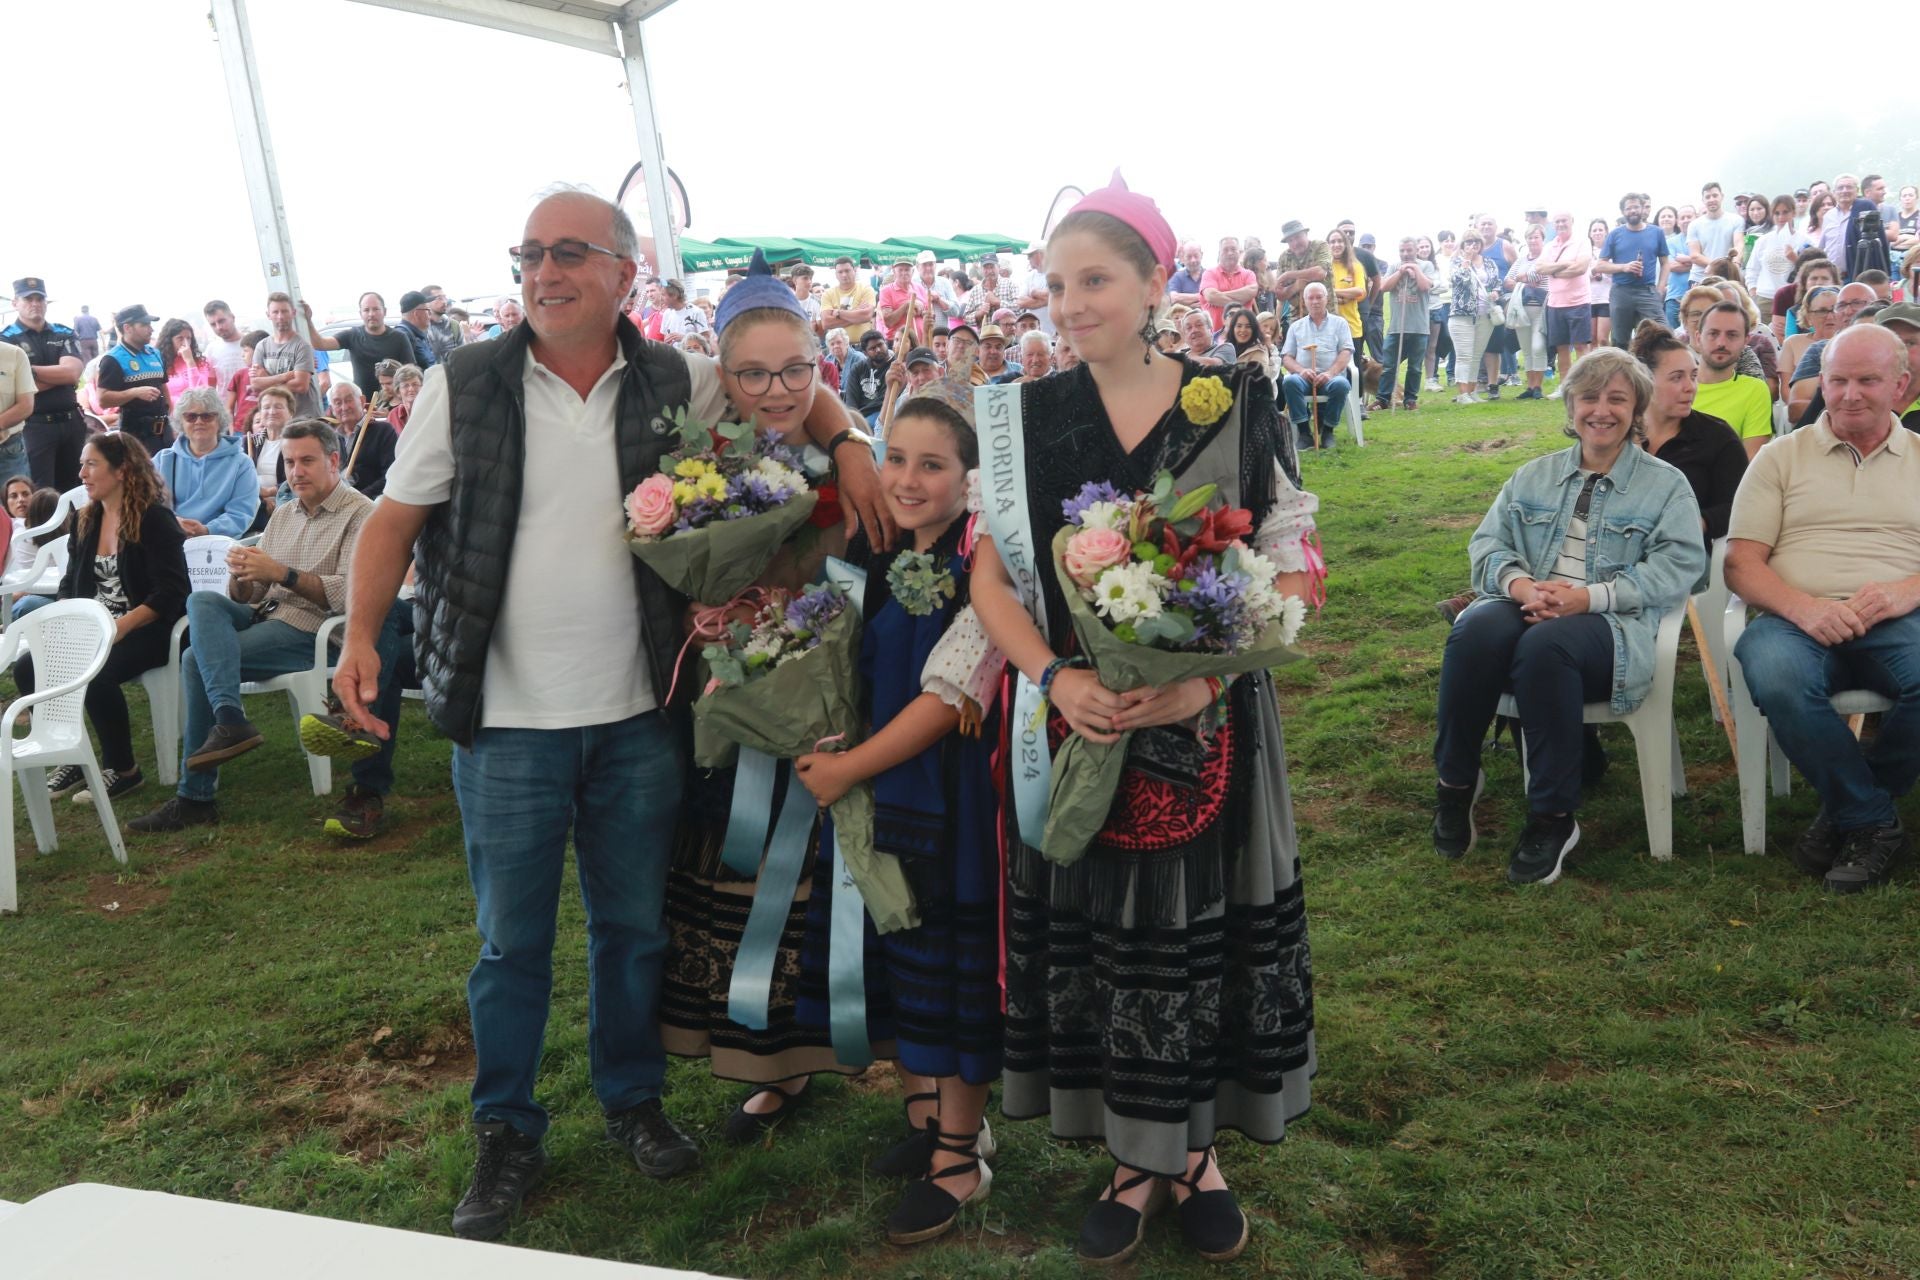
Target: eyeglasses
x: 199, y: 417
x: 568, y: 253
x: 1819, y: 311
x: 755, y: 382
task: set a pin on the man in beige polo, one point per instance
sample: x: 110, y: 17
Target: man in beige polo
x: 1825, y: 539
x: 16, y: 406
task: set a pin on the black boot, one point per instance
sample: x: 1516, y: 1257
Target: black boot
x: 508, y: 1164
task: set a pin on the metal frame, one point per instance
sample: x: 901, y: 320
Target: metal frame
x: 610, y: 27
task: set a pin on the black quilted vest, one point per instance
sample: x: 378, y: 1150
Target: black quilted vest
x: 463, y: 551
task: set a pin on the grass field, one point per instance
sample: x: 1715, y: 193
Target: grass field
x: 1703, y: 1068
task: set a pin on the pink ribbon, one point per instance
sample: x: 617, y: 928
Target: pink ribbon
x: 1316, y: 569
x: 709, y: 625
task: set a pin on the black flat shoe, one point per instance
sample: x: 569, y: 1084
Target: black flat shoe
x: 911, y: 1156
x: 1211, y: 1221
x: 744, y: 1126
x: 928, y: 1211
x: 1112, y: 1231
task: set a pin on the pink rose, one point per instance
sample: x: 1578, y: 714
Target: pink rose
x: 1092, y: 552
x: 650, y: 508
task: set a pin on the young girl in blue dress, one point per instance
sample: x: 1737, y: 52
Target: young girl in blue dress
x: 932, y: 990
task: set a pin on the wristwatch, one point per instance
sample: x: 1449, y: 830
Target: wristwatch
x: 290, y: 579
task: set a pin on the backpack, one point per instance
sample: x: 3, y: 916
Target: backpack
x: 1869, y: 244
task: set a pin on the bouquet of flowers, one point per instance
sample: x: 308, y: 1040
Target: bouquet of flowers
x: 1161, y: 587
x: 785, y: 683
x: 719, y: 509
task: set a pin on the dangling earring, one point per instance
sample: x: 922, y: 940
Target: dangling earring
x: 1147, y: 336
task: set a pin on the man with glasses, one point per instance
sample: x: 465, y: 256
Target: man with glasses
x: 368, y: 342
x: 285, y: 359
x: 49, y: 447
x: 546, y: 652
x: 416, y: 317
x: 1805, y: 402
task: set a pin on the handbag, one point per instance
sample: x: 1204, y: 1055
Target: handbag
x: 1516, y: 312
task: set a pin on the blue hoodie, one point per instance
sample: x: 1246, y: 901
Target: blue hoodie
x: 221, y: 490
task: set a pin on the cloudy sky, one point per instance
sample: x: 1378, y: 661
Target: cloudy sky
x: 410, y: 148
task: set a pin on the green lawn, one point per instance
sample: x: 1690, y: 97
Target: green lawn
x: 1704, y: 1068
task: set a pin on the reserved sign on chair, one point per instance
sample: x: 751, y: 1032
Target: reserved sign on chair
x: 207, y: 562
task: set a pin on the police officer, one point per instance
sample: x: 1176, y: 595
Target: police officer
x: 132, y: 380
x: 56, y: 431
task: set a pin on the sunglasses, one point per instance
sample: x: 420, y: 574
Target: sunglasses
x: 199, y: 417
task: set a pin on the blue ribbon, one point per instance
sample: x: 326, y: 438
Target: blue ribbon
x: 751, y: 814
x: 1032, y: 764
x: 752, y: 987
x: 847, y: 968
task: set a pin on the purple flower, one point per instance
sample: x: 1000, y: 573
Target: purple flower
x: 1217, y: 605
x: 811, y: 610
x: 1090, y: 493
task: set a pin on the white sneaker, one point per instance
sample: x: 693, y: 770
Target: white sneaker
x: 1469, y: 398
x: 1558, y: 393
x: 1433, y: 384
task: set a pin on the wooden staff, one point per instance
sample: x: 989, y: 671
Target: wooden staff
x: 901, y: 346
x: 1313, y: 391
x: 359, y: 438
x: 1714, y: 686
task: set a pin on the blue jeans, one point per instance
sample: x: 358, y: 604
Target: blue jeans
x: 230, y: 644
x: 618, y: 786
x: 1673, y: 313
x: 1412, y: 348
x: 1791, y: 675
x: 24, y: 605
x: 13, y: 457
x: 1298, y: 393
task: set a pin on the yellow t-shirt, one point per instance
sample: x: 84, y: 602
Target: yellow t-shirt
x: 854, y: 299
x: 1349, y: 278
x: 1742, y: 402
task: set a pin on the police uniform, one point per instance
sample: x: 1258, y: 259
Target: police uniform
x: 56, y: 431
x: 125, y: 369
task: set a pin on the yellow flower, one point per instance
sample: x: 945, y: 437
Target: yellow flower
x: 683, y: 494
x: 1205, y: 401
x: 711, y: 485
x: 690, y: 468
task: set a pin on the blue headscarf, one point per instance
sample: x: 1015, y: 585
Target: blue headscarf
x: 760, y: 288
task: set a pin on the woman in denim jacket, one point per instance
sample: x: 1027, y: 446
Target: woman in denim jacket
x: 1574, y: 565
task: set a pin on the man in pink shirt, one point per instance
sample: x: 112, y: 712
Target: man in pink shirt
x: 894, y: 296
x: 1227, y: 285
x: 1569, y: 298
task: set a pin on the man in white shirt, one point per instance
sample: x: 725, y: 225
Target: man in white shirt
x: 546, y: 652
x: 1316, y: 355
x: 1715, y: 233
x: 224, y: 352
x: 1034, y: 296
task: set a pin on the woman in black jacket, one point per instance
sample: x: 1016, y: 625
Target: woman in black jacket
x: 127, y: 554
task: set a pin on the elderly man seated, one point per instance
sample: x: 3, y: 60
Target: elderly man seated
x: 210, y: 477
x: 1316, y: 355
x: 1825, y: 540
x: 277, y: 597
x: 367, y: 445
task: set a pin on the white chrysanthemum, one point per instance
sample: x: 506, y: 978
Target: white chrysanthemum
x: 1293, y: 615
x: 1256, y: 566
x: 1128, y: 592
x: 779, y: 475
x: 1103, y: 515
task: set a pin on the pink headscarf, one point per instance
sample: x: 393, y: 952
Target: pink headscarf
x: 1137, y: 211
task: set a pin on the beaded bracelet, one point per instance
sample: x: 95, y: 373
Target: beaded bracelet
x: 1054, y: 668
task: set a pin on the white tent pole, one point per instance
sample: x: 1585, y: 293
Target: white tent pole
x: 256, y: 147
x: 633, y: 55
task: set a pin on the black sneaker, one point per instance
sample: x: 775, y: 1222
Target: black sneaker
x: 1818, y: 846
x: 660, y: 1149
x: 1531, y: 393
x: 1454, y: 834
x: 1867, y: 855
x: 177, y: 814
x: 508, y: 1164
x: 65, y: 780
x: 1543, y: 849
x: 118, y: 784
x: 224, y: 743
x: 1453, y: 606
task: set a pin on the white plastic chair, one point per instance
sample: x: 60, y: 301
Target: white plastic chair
x: 306, y: 692
x: 1760, y: 755
x: 70, y: 501
x: 71, y: 639
x: 1351, y: 415
x: 1656, y: 739
x: 1710, y: 605
x: 42, y: 577
x: 162, y: 685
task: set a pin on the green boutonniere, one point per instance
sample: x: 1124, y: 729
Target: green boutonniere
x: 918, y: 583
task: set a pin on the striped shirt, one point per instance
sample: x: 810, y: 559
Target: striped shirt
x: 1570, y: 566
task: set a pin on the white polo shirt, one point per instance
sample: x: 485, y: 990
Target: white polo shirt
x: 567, y: 649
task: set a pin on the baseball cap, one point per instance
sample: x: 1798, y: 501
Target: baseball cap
x: 29, y: 286
x: 135, y: 314
x: 1036, y: 247
x: 1800, y: 193
x: 1366, y: 240
x: 994, y: 258
x: 957, y: 326
x: 411, y: 299
x: 926, y: 255
x: 921, y: 355
x: 1900, y: 312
